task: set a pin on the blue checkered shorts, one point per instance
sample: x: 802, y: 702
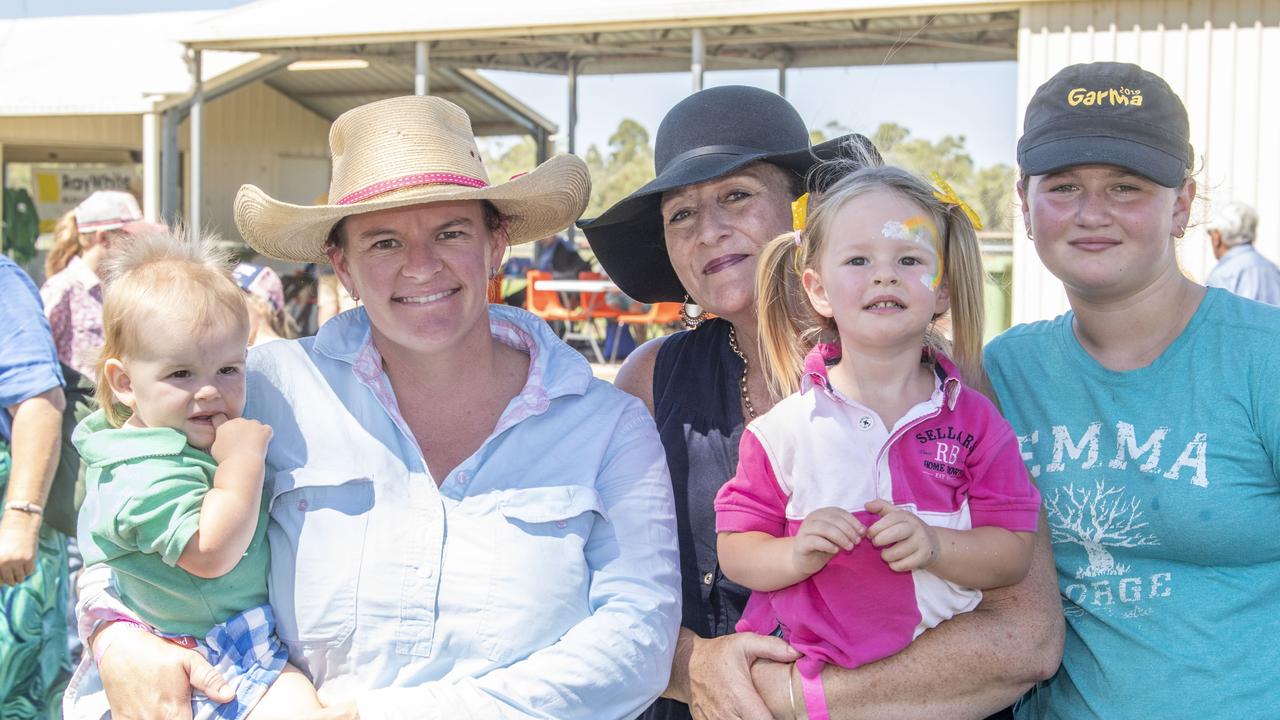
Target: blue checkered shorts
x: 248, y: 654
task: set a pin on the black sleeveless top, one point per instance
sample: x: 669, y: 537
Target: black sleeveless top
x: 696, y: 403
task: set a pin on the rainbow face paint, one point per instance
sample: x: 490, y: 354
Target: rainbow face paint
x: 918, y: 229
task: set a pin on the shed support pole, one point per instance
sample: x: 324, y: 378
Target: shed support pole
x: 197, y: 142
x: 698, y: 58
x: 422, y: 68
x: 573, y: 119
x: 151, y: 166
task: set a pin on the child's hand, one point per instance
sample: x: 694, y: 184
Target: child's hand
x: 239, y: 436
x: 825, y: 532
x: 913, y: 544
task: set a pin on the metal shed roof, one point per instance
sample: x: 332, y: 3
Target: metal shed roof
x: 132, y: 64
x: 637, y: 36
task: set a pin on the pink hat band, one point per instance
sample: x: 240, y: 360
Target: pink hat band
x: 431, y: 178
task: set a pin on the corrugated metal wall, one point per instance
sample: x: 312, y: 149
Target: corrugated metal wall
x: 246, y: 135
x: 1221, y: 56
x: 250, y: 135
x: 108, y: 131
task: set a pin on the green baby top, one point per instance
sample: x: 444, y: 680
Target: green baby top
x: 144, y: 487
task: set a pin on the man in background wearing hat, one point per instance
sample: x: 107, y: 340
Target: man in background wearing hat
x: 1241, y: 269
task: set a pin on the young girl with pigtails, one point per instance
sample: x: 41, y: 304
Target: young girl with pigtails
x: 883, y: 493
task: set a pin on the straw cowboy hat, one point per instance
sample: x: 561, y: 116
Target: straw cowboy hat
x: 708, y: 135
x: 409, y: 151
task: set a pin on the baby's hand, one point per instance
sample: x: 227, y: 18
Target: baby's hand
x: 912, y: 543
x: 825, y: 532
x: 239, y: 436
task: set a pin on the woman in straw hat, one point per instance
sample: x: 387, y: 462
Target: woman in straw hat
x: 464, y: 521
x: 729, y: 162
x: 1165, y: 529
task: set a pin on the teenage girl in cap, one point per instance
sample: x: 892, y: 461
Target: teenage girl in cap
x: 1146, y: 414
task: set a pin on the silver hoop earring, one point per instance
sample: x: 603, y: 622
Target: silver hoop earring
x: 690, y: 320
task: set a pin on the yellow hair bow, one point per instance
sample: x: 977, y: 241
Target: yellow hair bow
x: 800, y: 212
x: 948, y: 196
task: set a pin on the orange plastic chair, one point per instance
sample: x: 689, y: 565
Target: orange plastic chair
x: 658, y: 315
x: 594, y: 302
x: 546, y: 303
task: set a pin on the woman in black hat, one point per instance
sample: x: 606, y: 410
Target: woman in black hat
x: 1148, y: 417
x: 729, y: 162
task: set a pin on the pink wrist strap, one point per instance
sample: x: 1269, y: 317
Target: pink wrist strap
x: 815, y: 698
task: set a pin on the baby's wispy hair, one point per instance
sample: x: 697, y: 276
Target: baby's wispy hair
x: 168, y: 273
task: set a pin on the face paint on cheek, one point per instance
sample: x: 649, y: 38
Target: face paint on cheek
x: 919, y: 230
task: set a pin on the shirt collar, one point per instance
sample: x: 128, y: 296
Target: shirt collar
x: 555, y: 369
x: 100, y: 443
x: 1238, y: 250
x: 824, y: 355
x: 80, y: 272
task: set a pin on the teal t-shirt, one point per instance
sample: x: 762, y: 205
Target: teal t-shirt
x: 1161, y: 492
x: 143, y: 490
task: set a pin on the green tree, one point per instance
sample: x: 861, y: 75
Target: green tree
x: 989, y: 190
x: 520, y: 156
x: 628, y: 165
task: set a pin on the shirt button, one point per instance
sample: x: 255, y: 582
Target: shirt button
x: 561, y: 524
x: 425, y: 571
x: 865, y: 422
x: 461, y: 478
x: 303, y: 505
x: 706, y: 579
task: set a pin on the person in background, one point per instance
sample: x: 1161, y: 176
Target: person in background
x: 34, y: 657
x: 264, y: 294
x: 553, y: 254
x: 1241, y: 269
x: 72, y: 292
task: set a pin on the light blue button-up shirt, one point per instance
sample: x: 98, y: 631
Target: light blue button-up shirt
x: 1245, y: 272
x: 538, y: 579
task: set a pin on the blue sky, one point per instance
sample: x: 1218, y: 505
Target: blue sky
x: 971, y: 99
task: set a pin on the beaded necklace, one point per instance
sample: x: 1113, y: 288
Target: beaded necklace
x: 742, y: 382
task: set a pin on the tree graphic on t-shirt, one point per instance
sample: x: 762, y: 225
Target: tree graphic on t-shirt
x: 1096, y: 519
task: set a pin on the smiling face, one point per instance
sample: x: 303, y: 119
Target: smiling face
x: 1104, y: 231
x: 178, y: 379
x: 422, y: 273
x: 715, y: 230
x: 878, y: 273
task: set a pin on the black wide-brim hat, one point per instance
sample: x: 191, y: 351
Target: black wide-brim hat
x: 708, y: 135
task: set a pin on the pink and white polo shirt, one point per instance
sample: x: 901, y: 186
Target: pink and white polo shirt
x: 952, y: 460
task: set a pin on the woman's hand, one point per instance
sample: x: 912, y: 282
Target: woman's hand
x: 719, y: 675
x: 909, y: 543
x: 148, y: 677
